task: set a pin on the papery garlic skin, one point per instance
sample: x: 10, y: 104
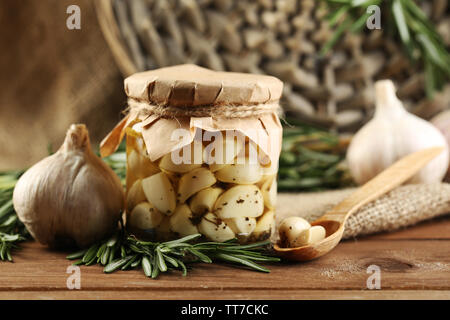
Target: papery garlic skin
x: 442, y: 122
x: 392, y: 134
x: 71, y: 197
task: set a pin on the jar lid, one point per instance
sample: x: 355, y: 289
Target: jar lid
x: 190, y: 85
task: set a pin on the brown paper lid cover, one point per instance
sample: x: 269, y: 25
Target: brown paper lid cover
x: 190, y: 85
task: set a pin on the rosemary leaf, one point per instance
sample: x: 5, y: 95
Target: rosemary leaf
x: 112, y: 241
x: 160, y: 261
x: 6, y: 208
x: 171, y: 260
x: 183, y: 268
x: 105, y: 256
x: 257, y: 258
x: 399, y: 17
x: 78, y: 263
x: 101, y: 250
x: 76, y: 255
x: 130, y: 262
x: 146, y: 266
x: 204, y: 258
x: 3, y: 248
x: 155, y: 269
x: 136, y: 263
x: 184, y: 239
x: 116, y: 264
x: 90, y: 253
x: 234, y: 259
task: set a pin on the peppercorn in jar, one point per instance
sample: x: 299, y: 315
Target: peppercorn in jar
x: 202, y: 153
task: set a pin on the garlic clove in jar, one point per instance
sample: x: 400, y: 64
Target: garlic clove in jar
x: 241, y: 226
x: 194, y: 181
x: 222, y: 152
x: 204, y: 200
x: 184, y: 162
x: 173, y: 177
x: 216, y: 166
x: 264, y: 225
x: 240, y: 173
x: 240, y: 201
x: 145, y: 217
x: 269, y: 191
x: 163, y: 231
x: 71, y: 197
x: 215, y: 229
x: 160, y: 192
x: 392, y: 134
x: 181, y: 221
x: 140, y: 165
x: 135, y: 195
x: 270, y: 169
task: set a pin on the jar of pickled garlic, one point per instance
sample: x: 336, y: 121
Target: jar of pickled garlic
x: 202, y: 153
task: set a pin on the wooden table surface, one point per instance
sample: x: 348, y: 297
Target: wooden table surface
x: 414, y: 264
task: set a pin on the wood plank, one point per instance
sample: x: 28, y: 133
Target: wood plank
x: 405, y: 265
x: 230, y: 295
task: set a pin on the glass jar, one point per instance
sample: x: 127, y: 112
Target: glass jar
x: 219, y: 199
x: 205, y: 173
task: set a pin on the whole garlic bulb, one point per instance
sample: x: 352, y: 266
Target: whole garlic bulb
x: 392, y: 134
x: 442, y: 122
x: 71, y: 197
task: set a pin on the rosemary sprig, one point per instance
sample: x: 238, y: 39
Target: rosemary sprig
x: 408, y: 22
x: 124, y: 252
x: 312, y: 159
x: 12, y: 231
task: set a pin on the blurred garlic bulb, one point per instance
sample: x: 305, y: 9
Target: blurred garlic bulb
x: 71, y: 197
x: 392, y: 134
x: 442, y: 122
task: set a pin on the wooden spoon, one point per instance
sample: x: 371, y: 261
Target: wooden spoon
x: 334, y: 220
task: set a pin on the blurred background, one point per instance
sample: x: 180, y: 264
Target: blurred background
x: 322, y: 50
x: 51, y: 77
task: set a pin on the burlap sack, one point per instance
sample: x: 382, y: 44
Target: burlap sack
x: 404, y: 206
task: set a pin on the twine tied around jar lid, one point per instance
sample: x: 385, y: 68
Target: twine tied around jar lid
x: 224, y: 111
x: 192, y: 91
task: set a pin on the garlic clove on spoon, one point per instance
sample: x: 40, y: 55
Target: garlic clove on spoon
x: 392, y: 134
x: 290, y: 229
x: 71, y: 197
x: 310, y: 236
